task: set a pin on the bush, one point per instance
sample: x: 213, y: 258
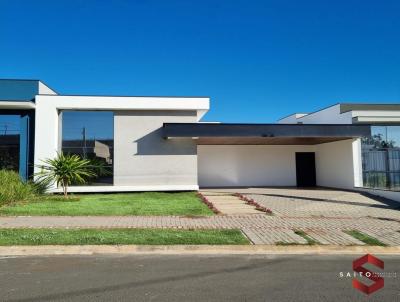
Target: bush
x: 68, y: 169
x: 12, y: 188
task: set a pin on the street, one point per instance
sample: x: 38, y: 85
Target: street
x: 187, y: 278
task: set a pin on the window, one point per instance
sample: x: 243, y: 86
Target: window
x: 381, y: 158
x: 90, y: 134
x: 9, y: 142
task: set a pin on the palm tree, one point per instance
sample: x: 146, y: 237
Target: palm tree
x: 67, y: 169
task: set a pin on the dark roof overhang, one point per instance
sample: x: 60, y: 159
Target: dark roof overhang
x: 264, y: 134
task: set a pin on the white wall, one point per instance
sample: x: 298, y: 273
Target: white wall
x: 263, y: 165
x: 291, y: 119
x: 334, y: 164
x: 47, y: 120
x: 44, y: 89
x: 376, y: 116
x: 253, y: 165
x: 142, y: 157
x: 330, y: 115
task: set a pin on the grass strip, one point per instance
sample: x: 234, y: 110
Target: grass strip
x: 288, y: 243
x: 121, y: 204
x: 119, y: 236
x: 369, y: 240
x: 310, y: 241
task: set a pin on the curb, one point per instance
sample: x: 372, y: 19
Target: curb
x: 50, y: 250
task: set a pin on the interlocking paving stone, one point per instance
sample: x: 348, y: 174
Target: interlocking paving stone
x: 389, y: 237
x: 229, y: 204
x: 327, y: 203
x: 268, y: 229
x: 261, y: 236
x: 332, y: 236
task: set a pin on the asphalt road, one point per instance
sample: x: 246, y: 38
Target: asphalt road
x: 187, y: 278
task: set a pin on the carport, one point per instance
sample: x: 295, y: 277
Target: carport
x: 305, y: 155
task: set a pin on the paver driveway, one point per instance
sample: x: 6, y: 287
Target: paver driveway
x: 319, y: 202
x: 324, y: 214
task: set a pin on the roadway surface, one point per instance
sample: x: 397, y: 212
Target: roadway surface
x: 187, y: 278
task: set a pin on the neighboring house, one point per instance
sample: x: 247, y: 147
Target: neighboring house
x: 159, y: 143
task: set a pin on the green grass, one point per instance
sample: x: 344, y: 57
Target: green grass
x: 146, y: 203
x: 287, y: 243
x: 118, y: 236
x: 365, y: 238
x: 310, y: 241
x: 13, y: 189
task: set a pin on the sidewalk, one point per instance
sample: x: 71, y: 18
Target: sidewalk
x: 259, y: 228
x: 51, y: 250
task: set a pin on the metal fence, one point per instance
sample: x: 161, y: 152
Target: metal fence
x: 381, y: 169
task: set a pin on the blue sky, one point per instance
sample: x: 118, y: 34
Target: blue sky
x: 257, y: 60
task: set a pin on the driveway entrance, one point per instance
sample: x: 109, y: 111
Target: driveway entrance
x: 320, y: 202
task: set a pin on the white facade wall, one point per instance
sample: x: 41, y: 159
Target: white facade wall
x: 44, y: 89
x: 247, y: 165
x: 47, y: 132
x: 330, y: 115
x: 142, y: 157
x: 263, y: 165
x: 334, y: 165
x: 291, y: 119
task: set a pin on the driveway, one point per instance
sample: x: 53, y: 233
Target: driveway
x: 324, y: 214
x: 319, y: 202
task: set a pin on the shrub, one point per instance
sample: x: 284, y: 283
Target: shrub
x: 12, y: 188
x: 68, y: 169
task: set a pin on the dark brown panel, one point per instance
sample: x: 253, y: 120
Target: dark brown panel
x: 267, y: 140
x: 209, y: 130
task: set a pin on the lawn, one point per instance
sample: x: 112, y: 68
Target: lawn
x: 310, y: 241
x: 368, y: 240
x: 145, y: 203
x: 118, y: 236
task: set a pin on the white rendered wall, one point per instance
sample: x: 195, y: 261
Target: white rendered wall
x: 376, y: 116
x: 142, y: 157
x: 44, y: 89
x: 334, y: 165
x: 357, y: 163
x: 47, y: 120
x: 263, y: 165
x: 330, y: 115
x: 291, y: 119
x: 252, y: 165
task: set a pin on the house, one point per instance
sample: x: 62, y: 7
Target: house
x: 160, y: 143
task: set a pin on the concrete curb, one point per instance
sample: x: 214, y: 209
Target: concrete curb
x: 49, y: 250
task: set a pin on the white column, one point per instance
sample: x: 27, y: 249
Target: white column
x: 357, y: 163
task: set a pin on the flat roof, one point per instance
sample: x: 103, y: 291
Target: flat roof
x: 265, y: 134
x: 345, y: 107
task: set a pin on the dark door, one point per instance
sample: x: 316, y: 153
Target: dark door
x: 305, y: 169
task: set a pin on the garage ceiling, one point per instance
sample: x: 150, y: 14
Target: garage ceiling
x: 264, y: 134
